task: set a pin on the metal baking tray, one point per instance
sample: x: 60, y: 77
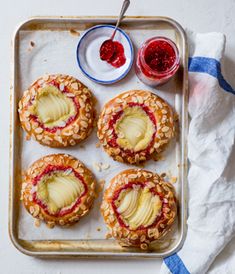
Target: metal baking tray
x: 98, y: 247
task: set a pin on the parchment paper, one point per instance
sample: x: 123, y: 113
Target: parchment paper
x: 55, y: 52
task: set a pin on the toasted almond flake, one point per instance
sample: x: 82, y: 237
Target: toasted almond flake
x: 106, y: 212
x: 140, y: 99
x: 74, y: 86
x: 31, y: 209
x: 72, y: 142
x: 76, y: 129
x: 37, y: 222
x: 97, y: 145
x: 159, y: 104
x: 142, y: 238
x: 50, y: 225
x: 46, y: 142
x: 137, y: 158
x: 173, y: 180
x: 109, y: 132
x: 119, y: 158
x: 125, y: 95
x: 133, y: 236
x: 164, y: 111
x: 61, y: 222
x: 76, y: 136
x: 144, y: 246
x: 97, y: 166
x: 105, y: 166
x: 168, y: 134
x: 165, y: 129
x: 20, y: 105
x: 84, y: 124
x: 118, y: 100
x: 170, y: 221
x: 36, y: 210
x: 80, y: 170
x: 70, y: 95
x: 27, y: 126
x: 39, y: 130
x: 117, y: 109
x: 58, y: 139
x: 108, y: 235
x: 108, y: 110
x: 132, y: 176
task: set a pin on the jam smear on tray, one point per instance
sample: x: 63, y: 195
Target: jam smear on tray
x: 113, y: 53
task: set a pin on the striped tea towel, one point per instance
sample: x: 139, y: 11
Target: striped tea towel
x: 211, y: 205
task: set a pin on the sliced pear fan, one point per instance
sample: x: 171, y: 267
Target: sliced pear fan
x: 53, y: 106
x: 139, y: 207
x: 60, y: 191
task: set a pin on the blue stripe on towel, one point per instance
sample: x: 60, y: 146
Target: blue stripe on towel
x: 175, y: 264
x: 212, y: 67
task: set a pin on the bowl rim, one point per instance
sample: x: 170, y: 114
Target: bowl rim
x: 131, y: 59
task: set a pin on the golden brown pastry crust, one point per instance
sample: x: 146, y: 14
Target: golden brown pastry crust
x: 72, y: 133
x: 141, y: 237
x: 162, y: 113
x: 57, y: 160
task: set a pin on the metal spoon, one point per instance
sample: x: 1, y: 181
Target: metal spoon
x: 107, y: 48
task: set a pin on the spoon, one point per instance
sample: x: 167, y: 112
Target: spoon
x: 107, y: 48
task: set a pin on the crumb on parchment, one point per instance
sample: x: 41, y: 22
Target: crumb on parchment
x: 74, y: 32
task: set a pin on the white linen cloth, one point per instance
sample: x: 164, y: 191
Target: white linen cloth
x: 211, y: 153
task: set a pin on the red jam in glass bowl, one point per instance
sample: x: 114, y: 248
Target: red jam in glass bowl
x: 157, y: 61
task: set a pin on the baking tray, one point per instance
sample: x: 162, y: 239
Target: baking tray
x: 176, y: 90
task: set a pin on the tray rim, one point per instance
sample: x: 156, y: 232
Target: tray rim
x: 18, y: 243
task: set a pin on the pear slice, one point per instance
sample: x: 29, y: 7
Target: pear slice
x: 52, y: 106
x: 59, y: 191
x: 139, y: 207
x: 129, y: 204
x: 134, y: 129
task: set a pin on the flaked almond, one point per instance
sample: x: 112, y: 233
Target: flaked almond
x: 39, y: 130
x: 74, y: 86
x: 37, y: 222
x: 165, y: 129
x: 105, y: 166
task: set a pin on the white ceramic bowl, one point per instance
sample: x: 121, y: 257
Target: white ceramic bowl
x: 88, y: 55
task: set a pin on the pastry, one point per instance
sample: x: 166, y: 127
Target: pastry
x: 134, y: 125
x: 57, y: 111
x: 139, y: 208
x: 58, y: 189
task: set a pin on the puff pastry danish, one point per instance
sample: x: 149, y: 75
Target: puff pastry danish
x: 134, y: 125
x: 139, y: 207
x: 57, y: 111
x: 58, y: 189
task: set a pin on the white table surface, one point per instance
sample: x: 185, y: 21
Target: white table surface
x: 198, y: 16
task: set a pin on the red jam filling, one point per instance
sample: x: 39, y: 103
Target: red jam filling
x: 113, y: 141
x: 142, y: 185
x: 49, y: 170
x: 113, y: 53
x: 69, y: 120
x: 160, y: 56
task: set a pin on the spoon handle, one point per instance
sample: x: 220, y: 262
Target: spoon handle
x: 125, y: 6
